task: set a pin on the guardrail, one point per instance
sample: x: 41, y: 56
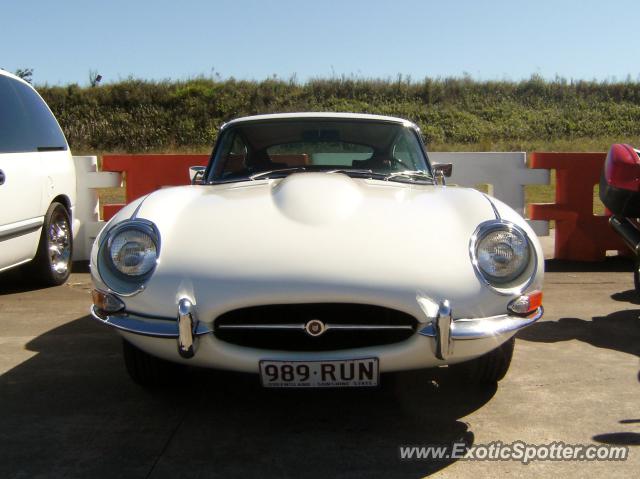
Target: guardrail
x: 147, y: 173
x: 506, y: 175
x: 580, y: 235
x: 86, y: 214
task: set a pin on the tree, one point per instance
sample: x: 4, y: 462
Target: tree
x: 94, y: 78
x: 25, y: 73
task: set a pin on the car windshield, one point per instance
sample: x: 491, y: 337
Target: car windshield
x: 263, y: 149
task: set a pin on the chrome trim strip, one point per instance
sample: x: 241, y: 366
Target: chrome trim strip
x: 261, y: 326
x: 125, y: 295
x: 14, y: 265
x: 26, y: 227
x: 495, y: 210
x: 368, y: 327
x: 328, y: 326
x: 478, y: 328
x: 134, y: 215
x: 154, y: 327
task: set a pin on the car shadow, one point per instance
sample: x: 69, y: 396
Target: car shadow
x: 70, y: 410
x: 629, y: 296
x: 619, y: 331
x: 21, y: 279
x: 619, y: 438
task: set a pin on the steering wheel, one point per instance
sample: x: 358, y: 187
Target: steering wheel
x: 396, y: 161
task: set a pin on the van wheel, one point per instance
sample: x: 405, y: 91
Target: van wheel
x: 52, y: 263
x: 487, y: 369
x: 149, y: 371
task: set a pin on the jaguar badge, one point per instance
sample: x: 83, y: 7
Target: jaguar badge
x: 315, y: 327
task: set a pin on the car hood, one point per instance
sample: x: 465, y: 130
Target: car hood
x: 314, y: 237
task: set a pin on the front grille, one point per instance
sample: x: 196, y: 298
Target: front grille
x: 282, y: 327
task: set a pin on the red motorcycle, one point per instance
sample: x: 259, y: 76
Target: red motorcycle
x: 620, y: 193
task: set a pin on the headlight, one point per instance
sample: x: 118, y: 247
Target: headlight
x: 133, y: 251
x: 502, y: 253
x: 128, y: 255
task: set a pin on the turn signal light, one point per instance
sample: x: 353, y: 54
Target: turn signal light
x: 106, y: 302
x: 527, y: 303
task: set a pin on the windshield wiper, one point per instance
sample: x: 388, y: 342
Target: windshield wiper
x: 266, y: 174
x: 408, y: 174
x: 360, y: 173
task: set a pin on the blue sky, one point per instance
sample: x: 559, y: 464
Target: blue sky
x: 63, y: 40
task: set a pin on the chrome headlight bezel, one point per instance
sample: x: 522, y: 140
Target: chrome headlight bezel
x: 517, y: 284
x: 117, y: 280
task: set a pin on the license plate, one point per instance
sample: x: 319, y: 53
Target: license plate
x: 320, y: 374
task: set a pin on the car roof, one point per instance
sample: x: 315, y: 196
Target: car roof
x: 12, y: 76
x: 320, y: 116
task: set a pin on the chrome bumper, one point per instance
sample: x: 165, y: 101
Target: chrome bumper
x: 185, y: 327
x: 444, y: 329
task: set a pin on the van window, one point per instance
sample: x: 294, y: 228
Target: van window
x: 26, y: 124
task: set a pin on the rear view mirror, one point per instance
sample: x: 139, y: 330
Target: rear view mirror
x: 442, y: 171
x: 445, y: 169
x: 196, y: 174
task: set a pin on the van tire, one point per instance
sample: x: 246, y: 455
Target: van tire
x: 51, y: 265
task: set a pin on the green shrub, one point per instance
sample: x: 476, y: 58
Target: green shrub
x: 142, y: 116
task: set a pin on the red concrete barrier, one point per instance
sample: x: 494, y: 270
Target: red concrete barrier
x: 146, y: 173
x: 580, y: 235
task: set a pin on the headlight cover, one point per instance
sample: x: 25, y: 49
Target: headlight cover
x: 128, y: 255
x: 502, y: 254
x: 133, y: 252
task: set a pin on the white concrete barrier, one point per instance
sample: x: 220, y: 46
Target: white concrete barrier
x: 506, y: 174
x: 87, y: 219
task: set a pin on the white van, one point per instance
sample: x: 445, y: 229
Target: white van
x: 37, y: 185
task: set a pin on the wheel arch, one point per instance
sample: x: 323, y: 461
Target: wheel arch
x: 64, y: 200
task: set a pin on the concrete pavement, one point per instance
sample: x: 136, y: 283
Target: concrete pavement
x: 68, y: 408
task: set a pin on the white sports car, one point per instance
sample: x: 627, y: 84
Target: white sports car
x: 317, y: 250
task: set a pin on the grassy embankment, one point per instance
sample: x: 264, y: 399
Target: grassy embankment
x: 455, y: 114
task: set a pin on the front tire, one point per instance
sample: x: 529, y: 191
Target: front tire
x: 52, y: 263
x: 487, y: 369
x: 149, y: 371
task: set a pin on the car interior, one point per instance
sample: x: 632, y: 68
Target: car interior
x: 251, y: 149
